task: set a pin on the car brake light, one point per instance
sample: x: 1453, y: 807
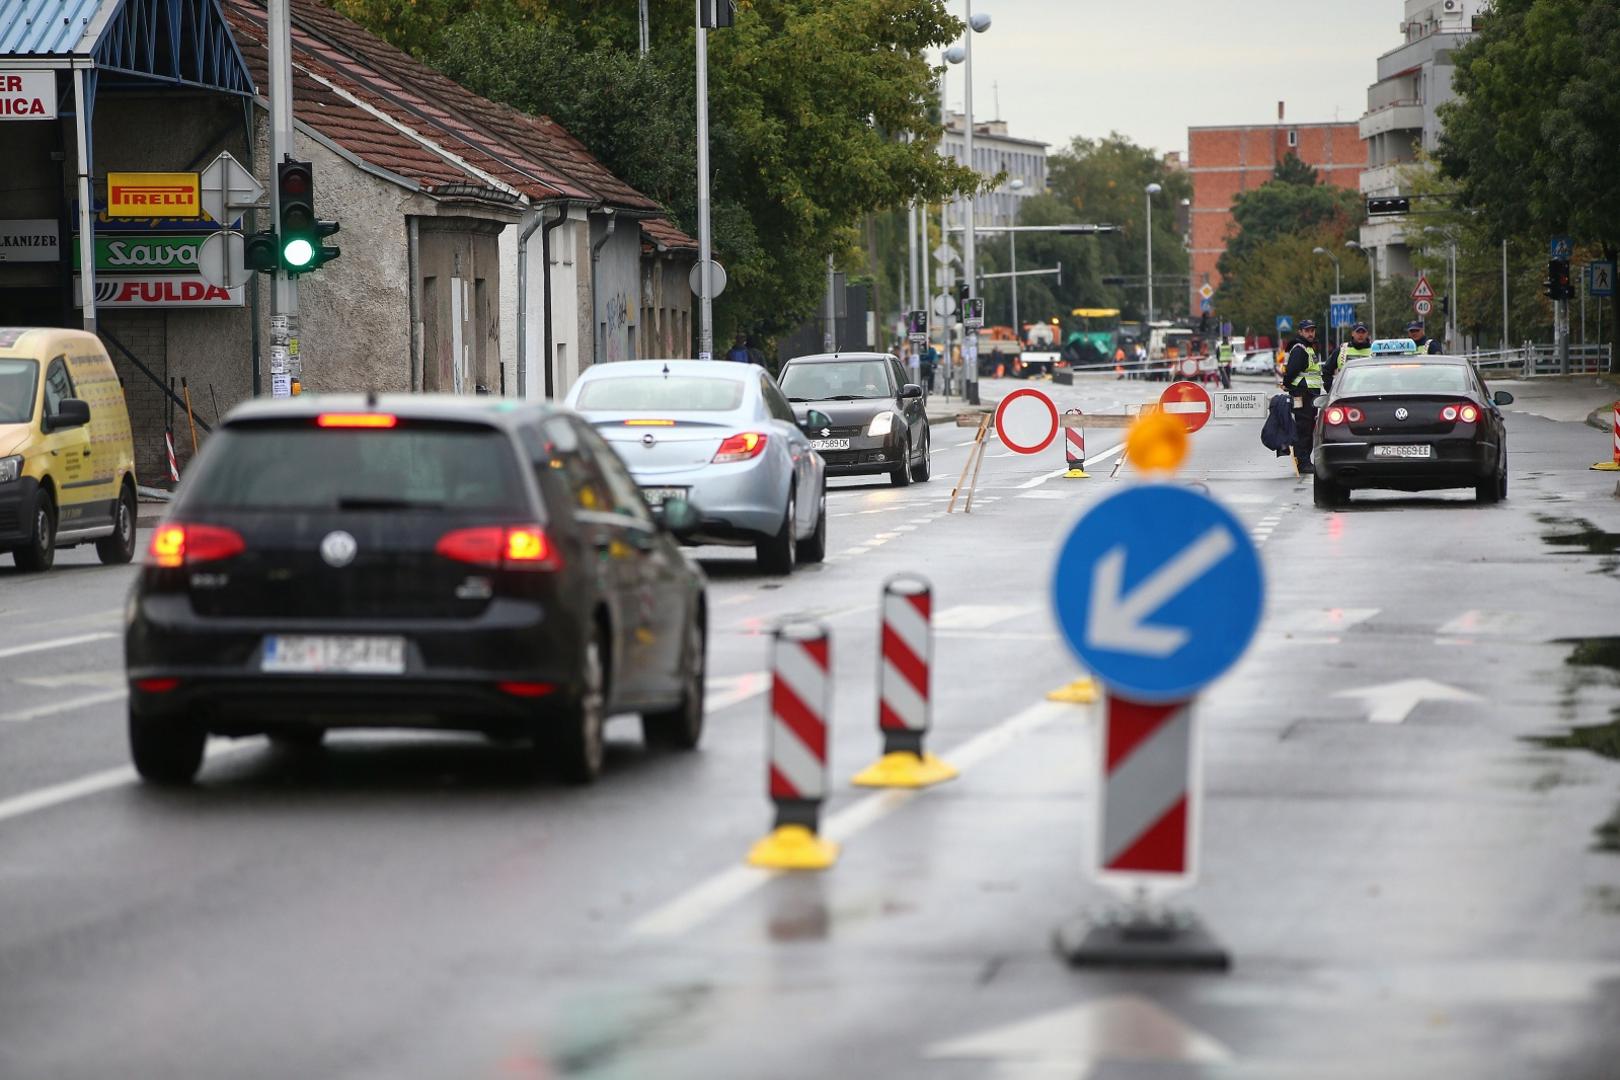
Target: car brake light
x: 741, y: 447
x: 1353, y: 415
x: 177, y: 545
x: 1335, y: 415
x: 356, y: 420
x: 526, y: 689
x: 156, y: 686
x: 1468, y: 414
x: 512, y: 547
x: 1449, y: 413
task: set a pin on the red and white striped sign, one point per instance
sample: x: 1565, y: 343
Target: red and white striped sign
x: 903, y: 673
x: 1189, y: 403
x: 1617, y: 433
x: 801, y: 698
x: 1074, y: 439
x: 1148, y: 793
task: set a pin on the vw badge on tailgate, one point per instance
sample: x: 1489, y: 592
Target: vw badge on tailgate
x: 1401, y: 414
x: 338, y: 549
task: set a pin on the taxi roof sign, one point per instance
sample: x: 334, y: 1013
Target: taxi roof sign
x: 1394, y: 345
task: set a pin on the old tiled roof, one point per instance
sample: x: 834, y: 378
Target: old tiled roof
x: 396, y: 113
x: 665, y: 235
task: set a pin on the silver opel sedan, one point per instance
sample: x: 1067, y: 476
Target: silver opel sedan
x: 722, y: 437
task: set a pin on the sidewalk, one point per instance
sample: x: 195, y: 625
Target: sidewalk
x: 1569, y: 398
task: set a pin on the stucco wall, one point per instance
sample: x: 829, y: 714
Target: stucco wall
x: 618, y: 292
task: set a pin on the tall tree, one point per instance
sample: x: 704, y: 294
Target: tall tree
x: 822, y: 111
x: 1533, y: 139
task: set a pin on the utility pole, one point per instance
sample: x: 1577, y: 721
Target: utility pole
x: 970, y: 336
x: 1504, y: 296
x: 1012, y: 251
x: 646, y: 29
x: 705, y: 252
x: 286, y: 352
x: 829, y: 333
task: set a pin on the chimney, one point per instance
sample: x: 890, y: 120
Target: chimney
x: 1281, y: 109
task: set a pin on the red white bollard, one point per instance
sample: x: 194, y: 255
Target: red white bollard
x: 800, y: 707
x: 905, y: 665
x: 174, y: 465
x: 1074, y: 444
x: 1614, y: 465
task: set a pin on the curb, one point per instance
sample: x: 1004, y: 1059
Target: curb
x: 1602, y: 418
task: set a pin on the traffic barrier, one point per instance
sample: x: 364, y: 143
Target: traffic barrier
x: 905, y: 669
x: 174, y: 464
x: 800, y: 703
x: 1074, y: 444
x: 1614, y: 465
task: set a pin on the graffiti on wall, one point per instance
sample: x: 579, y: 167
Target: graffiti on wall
x: 616, y: 316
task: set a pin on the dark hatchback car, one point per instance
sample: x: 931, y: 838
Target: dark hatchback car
x: 457, y: 563
x: 878, y: 422
x: 1413, y: 424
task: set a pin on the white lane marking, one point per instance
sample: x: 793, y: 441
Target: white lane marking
x: 725, y: 691
x: 57, y: 643
x: 1041, y: 479
x: 85, y: 702
x: 94, y: 784
x: 905, y: 528
x: 708, y: 898
x: 981, y: 616
x: 1044, y: 495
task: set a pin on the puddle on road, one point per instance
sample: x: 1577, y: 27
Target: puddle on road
x: 1596, y: 661
x: 1577, y: 536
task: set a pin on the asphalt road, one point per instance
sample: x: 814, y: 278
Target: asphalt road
x: 1423, y: 896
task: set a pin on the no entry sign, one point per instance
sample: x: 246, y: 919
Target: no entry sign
x: 1026, y: 421
x: 1187, y: 402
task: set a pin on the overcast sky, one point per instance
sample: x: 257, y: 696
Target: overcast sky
x: 1152, y: 68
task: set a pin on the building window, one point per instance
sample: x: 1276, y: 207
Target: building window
x: 1293, y: 138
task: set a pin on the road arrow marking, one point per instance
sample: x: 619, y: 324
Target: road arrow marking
x: 1115, y: 622
x: 1127, y: 1028
x: 1392, y: 703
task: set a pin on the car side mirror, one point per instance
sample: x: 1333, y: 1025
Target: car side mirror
x: 70, y: 413
x: 813, y: 419
x: 677, y: 517
x: 911, y: 390
x: 1502, y: 397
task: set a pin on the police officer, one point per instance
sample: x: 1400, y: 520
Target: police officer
x: 1360, y: 344
x: 1303, y: 381
x: 1425, y: 343
x: 1224, y: 354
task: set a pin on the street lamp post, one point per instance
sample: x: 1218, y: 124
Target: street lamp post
x: 1338, y: 285
x: 705, y: 255
x: 1152, y: 190
x: 1451, y: 284
x: 1012, y: 253
x: 1372, y: 269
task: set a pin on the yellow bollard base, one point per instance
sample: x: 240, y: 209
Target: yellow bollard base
x: 1079, y: 692
x: 1607, y: 466
x: 793, y: 847
x: 905, y: 770
x: 1076, y: 474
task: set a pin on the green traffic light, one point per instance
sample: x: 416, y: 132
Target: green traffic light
x: 298, y: 252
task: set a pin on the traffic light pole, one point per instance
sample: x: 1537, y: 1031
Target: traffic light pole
x: 705, y: 347
x: 285, y: 359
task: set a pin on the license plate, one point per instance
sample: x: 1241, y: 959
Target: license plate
x: 657, y: 496
x: 1403, y: 451
x: 829, y: 444
x: 304, y: 655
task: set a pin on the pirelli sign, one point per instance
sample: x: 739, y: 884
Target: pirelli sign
x: 153, y: 195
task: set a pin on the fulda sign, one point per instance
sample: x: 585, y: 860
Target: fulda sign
x: 27, y: 95
x: 179, y: 291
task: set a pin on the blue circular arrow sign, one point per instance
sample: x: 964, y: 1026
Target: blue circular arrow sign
x: 1158, y: 591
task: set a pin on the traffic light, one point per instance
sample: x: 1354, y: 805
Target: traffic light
x: 295, y: 225
x: 961, y: 295
x: 262, y: 251
x: 1383, y: 207
x: 1558, y: 284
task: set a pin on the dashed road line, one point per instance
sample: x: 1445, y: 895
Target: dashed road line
x: 56, y: 643
x: 39, y: 712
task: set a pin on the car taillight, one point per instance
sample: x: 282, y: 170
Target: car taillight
x: 526, y: 689
x: 175, y: 545
x: 1354, y: 416
x: 1335, y: 415
x: 1468, y: 414
x: 510, y: 547
x: 741, y: 447
x: 1449, y: 413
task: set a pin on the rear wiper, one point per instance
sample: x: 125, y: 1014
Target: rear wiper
x: 382, y: 502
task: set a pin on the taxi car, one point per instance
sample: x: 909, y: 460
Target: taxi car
x: 419, y: 561
x: 67, y: 462
x: 1405, y: 422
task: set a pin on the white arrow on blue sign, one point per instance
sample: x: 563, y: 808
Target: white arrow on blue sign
x: 1159, y: 591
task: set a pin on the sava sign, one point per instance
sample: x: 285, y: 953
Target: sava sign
x: 27, y: 95
x: 143, y: 254
x: 178, y: 291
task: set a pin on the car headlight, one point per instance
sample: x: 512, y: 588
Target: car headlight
x: 10, y: 468
x: 881, y: 424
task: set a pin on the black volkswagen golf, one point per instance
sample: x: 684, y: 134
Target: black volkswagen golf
x: 460, y: 563
x: 1411, y: 424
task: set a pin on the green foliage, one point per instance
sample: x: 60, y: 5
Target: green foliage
x: 1291, y: 170
x: 821, y: 112
x: 1095, y: 181
x: 1280, y: 208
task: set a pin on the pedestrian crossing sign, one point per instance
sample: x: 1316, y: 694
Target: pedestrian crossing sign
x: 1601, y: 277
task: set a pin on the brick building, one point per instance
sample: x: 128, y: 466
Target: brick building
x: 1226, y: 161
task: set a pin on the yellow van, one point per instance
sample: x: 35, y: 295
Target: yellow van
x: 67, y: 462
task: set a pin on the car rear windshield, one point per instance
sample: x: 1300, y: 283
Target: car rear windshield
x: 17, y: 381
x: 852, y: 380
x: 1417, y: 378
x: 259, y: 466
x: 660, y: 393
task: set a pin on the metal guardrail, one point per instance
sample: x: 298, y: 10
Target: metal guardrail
x: 1531, y: 359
